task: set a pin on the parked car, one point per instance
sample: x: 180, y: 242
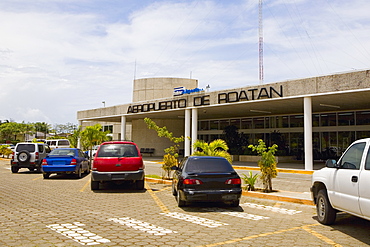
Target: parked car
x: 117, y: 161
x: 65, y: 161
x: 344, y: 185
x: 58, y: 143
x: 206, y: 179
x: 28, y: 155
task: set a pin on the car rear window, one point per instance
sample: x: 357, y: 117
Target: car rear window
x: 208, y: 165
x: 117, y: 150
x: 58, y: 151
x: 28, y: 147
x: 63, y: 142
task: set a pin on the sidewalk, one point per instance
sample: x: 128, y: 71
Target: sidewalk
x: 292, y: 183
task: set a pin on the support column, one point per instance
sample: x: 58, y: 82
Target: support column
x: 308, y: 154
x: 79, y: 138
x: 123, y: 128
x: 194, y: 127
x: 187, y: 132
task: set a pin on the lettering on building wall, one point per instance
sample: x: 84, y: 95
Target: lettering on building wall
x: 229, y: 97
x: 250, y: 94
x: 159, y: 106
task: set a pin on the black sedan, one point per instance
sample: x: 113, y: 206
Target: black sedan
x: 206, y: 179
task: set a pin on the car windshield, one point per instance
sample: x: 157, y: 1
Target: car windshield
x: 208, y: 165
x: 59, y: 152
x: 117, y: 150
x: 28, y: 147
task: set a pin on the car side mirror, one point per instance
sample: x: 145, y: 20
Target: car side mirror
x: 175, y: 168
x: 330, y: 163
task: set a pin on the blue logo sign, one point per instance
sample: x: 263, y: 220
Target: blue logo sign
x: 177, y: 91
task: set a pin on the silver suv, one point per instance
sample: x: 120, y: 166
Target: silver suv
x: 29, y: 155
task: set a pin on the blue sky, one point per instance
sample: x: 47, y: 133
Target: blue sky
x: 61, y: 56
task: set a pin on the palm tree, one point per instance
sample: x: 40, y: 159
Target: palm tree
x: 215, y: 148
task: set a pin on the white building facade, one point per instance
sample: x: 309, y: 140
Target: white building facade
x: 310, y: 119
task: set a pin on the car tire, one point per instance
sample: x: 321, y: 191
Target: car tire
x: 23, y: 156
x: 326, y: 214
x: 15, y: 169
x: 173, y: 190
x: 180, y: 203
x: 46, y: 175
x: 234, y: 203
x: 139, y: 184
x: 79, y: 173
x: 95, y: 185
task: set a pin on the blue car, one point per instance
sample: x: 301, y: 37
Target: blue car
x: 65, y: 161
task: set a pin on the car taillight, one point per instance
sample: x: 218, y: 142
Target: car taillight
x: 192, y: 181
x: 13, y: 156
x: 44, y: 162
x: 233, y: 181
x: 73, y: 162
x: 36, y: 155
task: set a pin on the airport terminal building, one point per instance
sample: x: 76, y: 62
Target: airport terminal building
x: 310, y: 119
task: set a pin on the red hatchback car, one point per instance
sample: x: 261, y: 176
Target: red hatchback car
x: 117, y: 161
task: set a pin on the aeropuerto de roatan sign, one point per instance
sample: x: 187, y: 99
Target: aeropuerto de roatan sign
x: 201, y: 100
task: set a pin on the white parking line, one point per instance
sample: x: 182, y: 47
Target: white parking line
x: 236, y: 214
x: 142, y: 226
x: 273, y: 209
x: 195, y: 219
x: 76, y: 233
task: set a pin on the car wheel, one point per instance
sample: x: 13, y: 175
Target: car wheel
x: 79, y: 172
x: 15, y: 169
x: 46, y: 175
x: 139, y: 184
x: 87, y: 171
x: 94, y: 185
x: 234, y: 203
x: 180, y: 203
x: 173, y: 190
x: 326, y: 214
x: 24, y: 156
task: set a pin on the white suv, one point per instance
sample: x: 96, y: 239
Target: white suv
x: 29, y: 155
x: 344, y: 185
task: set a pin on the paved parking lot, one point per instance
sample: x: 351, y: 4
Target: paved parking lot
x: 63, y: 211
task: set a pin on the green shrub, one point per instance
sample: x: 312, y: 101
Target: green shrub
x: 250, y: 180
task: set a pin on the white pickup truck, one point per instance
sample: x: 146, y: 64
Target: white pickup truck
x: 344, y: 185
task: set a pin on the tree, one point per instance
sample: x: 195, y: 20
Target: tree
x: 215, y: 148
x: 10, y: 130
x: 172, y: 153
x: 42, y: 127
x: 235, y: 141
x: 73, y: 138
x: 91, y: 136
x: 267, y: 163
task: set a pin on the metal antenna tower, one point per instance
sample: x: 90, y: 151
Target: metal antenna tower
x: 260, y: 42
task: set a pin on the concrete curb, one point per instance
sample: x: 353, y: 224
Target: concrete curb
x: 282, y: 170
x: 275, y: 197
x: 270, y: 196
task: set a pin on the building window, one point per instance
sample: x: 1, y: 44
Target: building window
x: 259, y: 123
x: 235, y: 122
x: 214, y: 125
x: 296, y: 121
x: 346, y: 118
x: 224, y: 124
x: 246, y: 123
x: 204, y: 125
x: 108, y: 128
x: 363, y: 118
x: 328, y: 119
